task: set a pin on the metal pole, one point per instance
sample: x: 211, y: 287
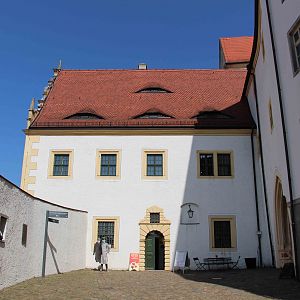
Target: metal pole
x: 45, y: 244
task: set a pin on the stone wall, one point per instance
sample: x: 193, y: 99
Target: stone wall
x: 21, y: 258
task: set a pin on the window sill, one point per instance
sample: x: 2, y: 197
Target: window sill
x: 108, y: 178
x: 60, y: 177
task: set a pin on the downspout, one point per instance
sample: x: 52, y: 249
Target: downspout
x: 284, y: 139
x: 263, y: 172
x: 256, y: 201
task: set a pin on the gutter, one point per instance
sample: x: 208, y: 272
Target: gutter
x: 284, y: 139
x: 258, y: 232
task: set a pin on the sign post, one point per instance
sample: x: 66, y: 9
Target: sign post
x: 50, y: 215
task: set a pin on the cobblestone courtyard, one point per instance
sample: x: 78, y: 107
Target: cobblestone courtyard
x: 89, y: 284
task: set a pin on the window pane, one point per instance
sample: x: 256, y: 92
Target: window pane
x: 222, y: 234
x: 224, y: 164
x: 154, y: 164
x: 296, y: 36
x: 61, y: 165
x: 154, y: 217
x: 158, y: 171
x: 206, y: 164
x: 106, y: 230
x: 108, y: 165
x: 298, y: 49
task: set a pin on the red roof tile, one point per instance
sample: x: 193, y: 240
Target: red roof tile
x: 237, y: 49
x: 113, y: 95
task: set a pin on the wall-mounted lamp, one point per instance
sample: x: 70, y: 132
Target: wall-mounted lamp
x: 190, y: 212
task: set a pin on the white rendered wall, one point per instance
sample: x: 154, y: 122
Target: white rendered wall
x: 130, y: 196
x: 284, y: 15
x: 68, y: 238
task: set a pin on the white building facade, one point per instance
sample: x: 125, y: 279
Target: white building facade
x: 156, y: 173
x: 272, y: 88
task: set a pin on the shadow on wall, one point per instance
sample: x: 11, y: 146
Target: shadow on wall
x: 224, y: 204
x: 53, y: 251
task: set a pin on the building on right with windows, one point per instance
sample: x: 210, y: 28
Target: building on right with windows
x: 273, y: 88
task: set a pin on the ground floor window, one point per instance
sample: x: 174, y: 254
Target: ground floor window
x: 222, y: 232
x: 3, y: 223
x: 108, y: 228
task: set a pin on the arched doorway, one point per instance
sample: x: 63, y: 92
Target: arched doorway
x: 283, y: 232
x: 154, y: 251
x: 155, y: 226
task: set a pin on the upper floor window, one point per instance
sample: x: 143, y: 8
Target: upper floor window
x: 60, y: 165
x: 294, y: 37
x: 154, y: 164
x: 153, y: 89
x: 215, y: 164
x: 108, y: 164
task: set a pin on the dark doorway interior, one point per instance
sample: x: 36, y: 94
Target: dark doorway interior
x: 155, y: 251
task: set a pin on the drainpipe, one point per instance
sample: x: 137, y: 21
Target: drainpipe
x: 284, y: 139
x: 256, y: 201
x: 263, y: 172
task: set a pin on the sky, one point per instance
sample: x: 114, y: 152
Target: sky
x: 98, y: 34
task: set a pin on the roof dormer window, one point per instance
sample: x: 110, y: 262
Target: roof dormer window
x: 84, y: 116
x: 153, y: 114
x: 153, y: 89
x: 214, y: 114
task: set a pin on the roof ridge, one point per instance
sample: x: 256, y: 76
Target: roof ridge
x: 151, y: 70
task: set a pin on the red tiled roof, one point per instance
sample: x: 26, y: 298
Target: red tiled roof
x: 237, y: 49
x: 113, y: 95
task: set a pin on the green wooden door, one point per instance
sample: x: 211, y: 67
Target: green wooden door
x: 150, y: 253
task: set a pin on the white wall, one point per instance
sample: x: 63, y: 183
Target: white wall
x: 130, y: 196
x: 17, y: 262
x: 283, y: 15
x: 283, y: 18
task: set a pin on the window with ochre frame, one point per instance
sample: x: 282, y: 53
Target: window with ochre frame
x: 60, y: 164
x: 108, y: 220
x: 215, y: 164
x: 223, y: 233
x: 108, y: 164
x: 154, y: 164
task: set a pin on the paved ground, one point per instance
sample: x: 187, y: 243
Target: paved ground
x: 89, y: 284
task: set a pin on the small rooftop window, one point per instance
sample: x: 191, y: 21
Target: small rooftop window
x: 153, y: 114
x: 214, y: 114
x: 84, y: 116
x: 153, y: 89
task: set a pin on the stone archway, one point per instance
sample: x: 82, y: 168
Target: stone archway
x: 163, y: 226
x: 283, y: 231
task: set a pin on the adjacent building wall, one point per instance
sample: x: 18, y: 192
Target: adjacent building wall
x: 66, y: 243
x: 283, y: 16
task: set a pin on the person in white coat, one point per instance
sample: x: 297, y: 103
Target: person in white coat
x: 105, y: 247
